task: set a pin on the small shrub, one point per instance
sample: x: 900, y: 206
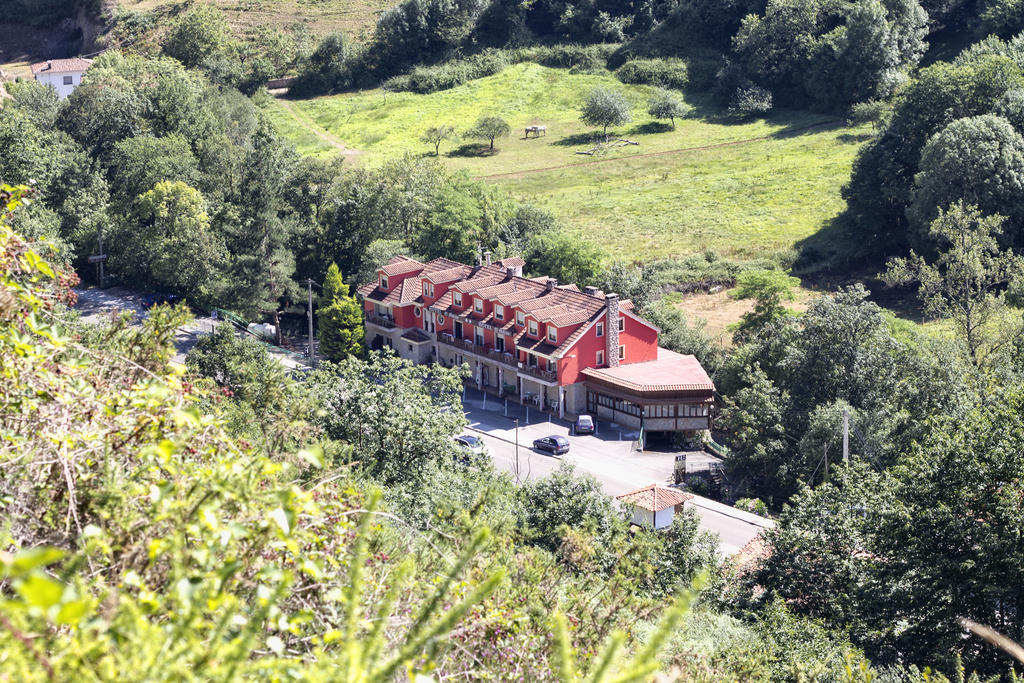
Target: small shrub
x: 669, y: 73
x: 749, y: 101
x: 578, y: 58
x: 754, y: 505
x: 428, y: 79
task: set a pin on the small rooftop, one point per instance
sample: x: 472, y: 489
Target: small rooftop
x: 655, y: 498
x: 670, y: 372
x: 61, y: 66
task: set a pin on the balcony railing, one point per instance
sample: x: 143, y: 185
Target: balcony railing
x: 545, y: 375
x: 381, y: 321
x: 505, y: 358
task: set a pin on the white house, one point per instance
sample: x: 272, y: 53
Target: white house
x: 63, y: 74
x: 654, y: 506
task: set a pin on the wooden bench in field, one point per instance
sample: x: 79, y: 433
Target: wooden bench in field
x: 536, y: 130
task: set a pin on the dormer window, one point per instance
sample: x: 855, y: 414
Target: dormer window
x: 499, y: 311
x: 520, y: 318
x: 428, y: 289
x: 533, y: 328
x: 383, y: 281
x: 458, y: 298
x: 552, y: 334
x: 478, y: 305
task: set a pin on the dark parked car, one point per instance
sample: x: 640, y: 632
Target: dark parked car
x: 584, y: 425
x: 150, y: 300
x: 555, y: 445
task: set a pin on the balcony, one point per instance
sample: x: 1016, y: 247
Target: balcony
x: 381, y: 321
x: 504, y: 358
x: 543, y: 375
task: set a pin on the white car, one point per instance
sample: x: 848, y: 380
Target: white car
x: 472, y: 444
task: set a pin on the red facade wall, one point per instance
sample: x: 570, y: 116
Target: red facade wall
x: 580, y: 355
x: 404, y: 317
x: 641, y: 342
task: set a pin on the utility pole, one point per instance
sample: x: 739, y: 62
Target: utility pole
x: 101, y: 254
x: 516, y: 420
x: 846, y: 436
x: 309, y: 315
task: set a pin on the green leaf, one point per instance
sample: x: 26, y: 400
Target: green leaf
x: 72, y: 612
x: 40, y: 591
x: 33, y: 558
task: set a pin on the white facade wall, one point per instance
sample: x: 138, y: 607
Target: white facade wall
x: 57, y: 81
x: 652, y: 520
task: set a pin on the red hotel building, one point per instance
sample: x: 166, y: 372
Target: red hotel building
x: 554, y: 346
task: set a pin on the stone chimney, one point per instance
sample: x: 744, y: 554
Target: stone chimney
x: 590, y: 290
x: 487, y: 258
x: 611, y: 329
x: 550, y: 285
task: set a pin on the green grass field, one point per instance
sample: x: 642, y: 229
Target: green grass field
x: 678, y: 191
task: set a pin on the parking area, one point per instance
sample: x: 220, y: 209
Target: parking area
x: 609, y: 456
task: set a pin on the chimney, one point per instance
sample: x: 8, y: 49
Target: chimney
x: 550, y: 285
x: 509, y: 274
x: 611, y: 329
x: 590, y: 290
x: 487, y: 258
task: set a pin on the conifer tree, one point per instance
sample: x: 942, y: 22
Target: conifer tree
x: 341, y: 318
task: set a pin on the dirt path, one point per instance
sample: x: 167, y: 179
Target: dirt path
x: 310, y: 125
x: 515, y: 174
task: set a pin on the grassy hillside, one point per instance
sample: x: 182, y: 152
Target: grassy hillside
x: 354, y: 17
x: 743, y: 189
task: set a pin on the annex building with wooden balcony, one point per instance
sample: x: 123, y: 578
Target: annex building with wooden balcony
x: 565, y: 350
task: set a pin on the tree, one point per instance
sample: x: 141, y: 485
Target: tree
x: 172, y: 244
x: 768, y: 288
x: 341, y: 319
x: 665, y: 104
x: 563, y: 499
x: 489, y: 128
x: 199, y: 36
x: 398, y: 417
x: 605, y: 108
x: 966, y: 282
x: 565, y: 257
x: 435, y: 135
x: 977, y: 160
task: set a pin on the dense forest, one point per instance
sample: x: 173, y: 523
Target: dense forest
x: 325, y: 538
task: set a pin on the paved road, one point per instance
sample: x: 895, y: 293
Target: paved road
x: 611, y: 461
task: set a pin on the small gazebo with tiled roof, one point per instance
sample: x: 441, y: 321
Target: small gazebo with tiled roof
x: 654, y: 506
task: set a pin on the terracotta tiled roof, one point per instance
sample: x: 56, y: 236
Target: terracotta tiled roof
x: 671, y: 372
x: 511, y: 262
x: 562, y: 306
x: 655, y: 498
x: 58, y: 66
x: 400, y: 265
x: 751, y: 555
